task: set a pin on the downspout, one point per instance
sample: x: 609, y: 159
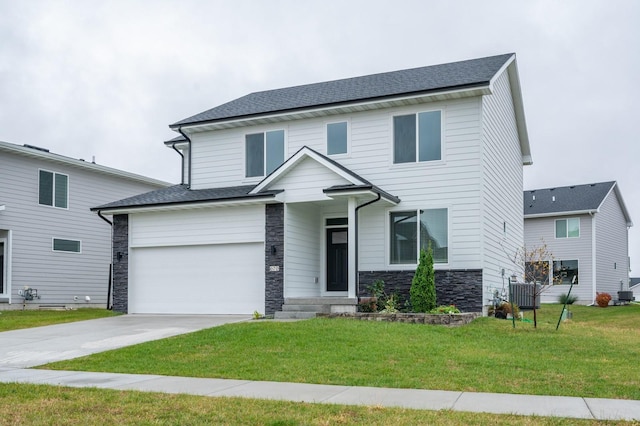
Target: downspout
x: 109, y: 307
x: 189, y: 172
x: 356, y: 239
x: 182, y: 162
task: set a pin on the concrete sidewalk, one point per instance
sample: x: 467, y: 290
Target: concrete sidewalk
x: 555, y: 406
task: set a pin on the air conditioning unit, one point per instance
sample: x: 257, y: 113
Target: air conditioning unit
x: 523, y: 294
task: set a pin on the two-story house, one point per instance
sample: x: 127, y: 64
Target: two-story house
x: 308, y: 194
x: 50, y: 241
x: 585, y: 230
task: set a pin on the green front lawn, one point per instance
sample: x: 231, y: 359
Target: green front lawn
x: 15, y: 320
x: 51, y: 405
x: 594, y: 355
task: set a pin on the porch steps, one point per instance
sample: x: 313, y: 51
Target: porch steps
x: 308, y: 307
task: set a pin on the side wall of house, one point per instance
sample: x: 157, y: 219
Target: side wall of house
x: 502, y: 184
x: 541, y: 231
x: 612, y: 248
x: 58, y: 276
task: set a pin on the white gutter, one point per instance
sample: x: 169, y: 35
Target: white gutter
x: 569, y: 213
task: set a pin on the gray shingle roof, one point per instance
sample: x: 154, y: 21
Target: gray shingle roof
x: 464, y: 74
x: 181, y: 194
x: 567, y: 198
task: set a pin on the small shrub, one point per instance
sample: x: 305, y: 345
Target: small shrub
x: 569, y: 300
x: 390, y: 305
x: 423, y: 285
x: 504, y: 309
x: 445, y: 309
x: 368, y: 304
x: 257, y: 315
x: 603, y: 299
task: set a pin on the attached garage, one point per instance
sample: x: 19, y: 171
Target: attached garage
x: 204, y: 279
x: 200, y: 261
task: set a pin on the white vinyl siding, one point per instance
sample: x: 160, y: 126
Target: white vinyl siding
x: 240, y: 224
x: 306, y: 182
x: 612, y: 247
x: 541, y: 231
x: 502, y: 186
x: 302, y: 250
x: 58, y: 276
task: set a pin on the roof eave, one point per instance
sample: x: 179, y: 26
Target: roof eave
x: 476, y: 89
x: 368, y: 190
x: 562, y: 213
x: 185, y: 205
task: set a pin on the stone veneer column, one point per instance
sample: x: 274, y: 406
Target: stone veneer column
x: 121, y: 263
x: 274, y: 258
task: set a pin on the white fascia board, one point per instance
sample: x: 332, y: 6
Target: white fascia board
x: 623, y: 206
x: 571, y: 213
x: 357, y: 193
x: 336, y: 109
x: 189, y: 206
x: 303, y: 153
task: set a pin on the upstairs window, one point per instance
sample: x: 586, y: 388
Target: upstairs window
x: 568, y: 228
x: 53, y: 189
x: 417, y: 137
x: 263, y: 152
x: 337, y: 138
x: 414, y: 230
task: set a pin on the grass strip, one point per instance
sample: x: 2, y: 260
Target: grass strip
x: 17, y: 320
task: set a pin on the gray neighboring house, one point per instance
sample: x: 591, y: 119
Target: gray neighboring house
x: 634, y: 286
x: 50, y: 241
x: 300, y: 198
x: 585, y: 228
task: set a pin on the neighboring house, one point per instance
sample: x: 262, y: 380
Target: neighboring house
x: 311, y: 193
x: 50, y: 241
x: 634, y: 286
x: 585, y: 229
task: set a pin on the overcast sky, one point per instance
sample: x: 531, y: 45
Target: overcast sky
x: 106, y: 78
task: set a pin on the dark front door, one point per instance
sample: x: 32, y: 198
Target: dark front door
x: 337, y: 259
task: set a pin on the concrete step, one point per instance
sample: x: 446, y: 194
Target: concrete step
x: 306, y: 308
x: 294, y: 315
x: 320, y: 301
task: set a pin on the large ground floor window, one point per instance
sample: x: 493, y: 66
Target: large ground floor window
x: 413, y: 230
x: 565, y: 271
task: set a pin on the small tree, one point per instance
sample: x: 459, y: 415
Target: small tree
x: 535, y: 266
x: 423, y: 284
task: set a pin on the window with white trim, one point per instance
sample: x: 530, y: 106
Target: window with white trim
x: 568, y: 228
x: 417, y: 137
x: 71, y: 246
x: 264, y: 152
x: 53, y: 189
x: 565, y: 271
x: 413, y: 230
x: 337, y: 138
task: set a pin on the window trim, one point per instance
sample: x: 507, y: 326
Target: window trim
x: 53, y: 245
x: 565, y: 260
x: 53, y: 194
x: 264, y: 158
x: 326, y: 137
x: 417, y: 141
x: 403, y: 266
x: 566, y: 220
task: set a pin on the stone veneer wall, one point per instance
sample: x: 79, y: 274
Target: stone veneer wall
x: 274, y: 237
x: 462, y: 288
x: 121, y: 266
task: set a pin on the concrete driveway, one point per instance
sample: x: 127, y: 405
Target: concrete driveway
x: 40, y: 345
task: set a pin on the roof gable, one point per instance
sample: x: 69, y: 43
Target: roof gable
x: 574, y: 199
x: 434, y: 78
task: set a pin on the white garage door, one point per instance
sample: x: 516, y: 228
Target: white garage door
x: 207, y: 279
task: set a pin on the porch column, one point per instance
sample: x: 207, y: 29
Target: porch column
x: 352, y: 247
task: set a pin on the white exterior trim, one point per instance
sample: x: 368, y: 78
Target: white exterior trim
x: 303, y: 153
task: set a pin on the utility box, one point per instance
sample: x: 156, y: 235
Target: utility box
x: 522, y: 295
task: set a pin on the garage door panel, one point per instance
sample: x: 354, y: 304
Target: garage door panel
x: 209, y: 279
